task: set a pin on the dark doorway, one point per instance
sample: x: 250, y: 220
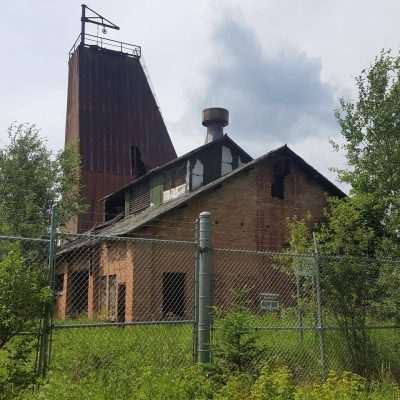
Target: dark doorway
x: 121, y: 302
x: 78, y: 286
x: 173, y: 291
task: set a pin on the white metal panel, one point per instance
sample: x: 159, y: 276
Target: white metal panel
x: 173, y: 193
x: 226, y: 164
x: 197, y: 174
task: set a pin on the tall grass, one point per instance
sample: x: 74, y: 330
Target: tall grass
x: 155, y: 362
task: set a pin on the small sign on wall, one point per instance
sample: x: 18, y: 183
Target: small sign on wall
x: 269, y: 301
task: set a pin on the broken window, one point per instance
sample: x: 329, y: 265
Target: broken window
x: 227, y: 161
x: 197, y: 174
x: 280, y: 170
x: 59, y: 283
x: 115, y: 205
x: 137, y: 164
x: 278, y: 186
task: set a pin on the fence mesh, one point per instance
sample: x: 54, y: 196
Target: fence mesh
x: 24, y: 275
x: 124, y: 299
x: 310, y: 313
x: 131, y: 302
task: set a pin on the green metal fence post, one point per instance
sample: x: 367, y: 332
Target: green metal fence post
x: 44, y: 347
x: 320, y: 322
x: 196, y: 291
x: 204, y: 293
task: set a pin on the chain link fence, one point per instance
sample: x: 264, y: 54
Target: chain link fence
x: 124, y: 300
x: 24, y: 276
x: 126, y: 303
x: 312, y: 313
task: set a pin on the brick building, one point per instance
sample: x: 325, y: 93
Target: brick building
x: 250, y: 201
x: 140, y: 196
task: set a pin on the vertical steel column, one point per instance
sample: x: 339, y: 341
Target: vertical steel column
x: 320, y: 324
x: 204, y: 293
x: 83, y: 20
x: 196, y: 290
x: 44, y: 349
x: 300, y: 308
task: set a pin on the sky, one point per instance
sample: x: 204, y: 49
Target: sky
x: 280, y: 67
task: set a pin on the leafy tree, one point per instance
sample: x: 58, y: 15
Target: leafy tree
x: 366, y: 224
x: 370, y: 127
x: 32, y: 180
x: 22, y: 295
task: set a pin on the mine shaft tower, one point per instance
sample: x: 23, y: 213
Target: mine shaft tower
x: 112, y: 116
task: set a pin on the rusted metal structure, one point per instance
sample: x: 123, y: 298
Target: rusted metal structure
x: 114, y: 118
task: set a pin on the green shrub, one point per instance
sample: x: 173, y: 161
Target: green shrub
x: 237, y: 387
x: 347, y: 386
x: 273, y: 385
x: 16, y: 366
x: 236, y: 349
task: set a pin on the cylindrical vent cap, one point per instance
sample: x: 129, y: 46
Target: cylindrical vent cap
x: 215, y: 116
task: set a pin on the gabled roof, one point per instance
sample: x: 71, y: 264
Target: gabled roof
x: 123, y: 227
x: 133, y: 222
x: 224, y: 139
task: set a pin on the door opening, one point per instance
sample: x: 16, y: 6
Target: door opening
x: 78, y: 293
x: 121, y: 302
x: 173, y: 292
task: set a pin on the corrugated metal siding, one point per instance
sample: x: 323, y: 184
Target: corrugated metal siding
x: 111, y: 108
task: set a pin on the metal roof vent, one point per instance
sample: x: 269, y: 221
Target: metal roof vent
x: 215, y: 118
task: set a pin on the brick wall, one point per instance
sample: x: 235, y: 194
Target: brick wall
x: 243, y: 212
x: 244, y: 215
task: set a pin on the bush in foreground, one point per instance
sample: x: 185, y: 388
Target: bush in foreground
x: 194, y: 383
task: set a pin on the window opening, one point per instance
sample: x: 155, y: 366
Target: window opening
x: 279, y: 171
x: 197, y: 174
x: 227, y: 161
x: 59, y: 283
x: 78, y: 287
x: 137, y: 164
x: 173, y: 294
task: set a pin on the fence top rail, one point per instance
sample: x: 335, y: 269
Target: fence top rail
x: 123, y: 238
x: 75, y: 241
x: 119, y: 324
x: 23, y: 238
x: 320, y: 256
